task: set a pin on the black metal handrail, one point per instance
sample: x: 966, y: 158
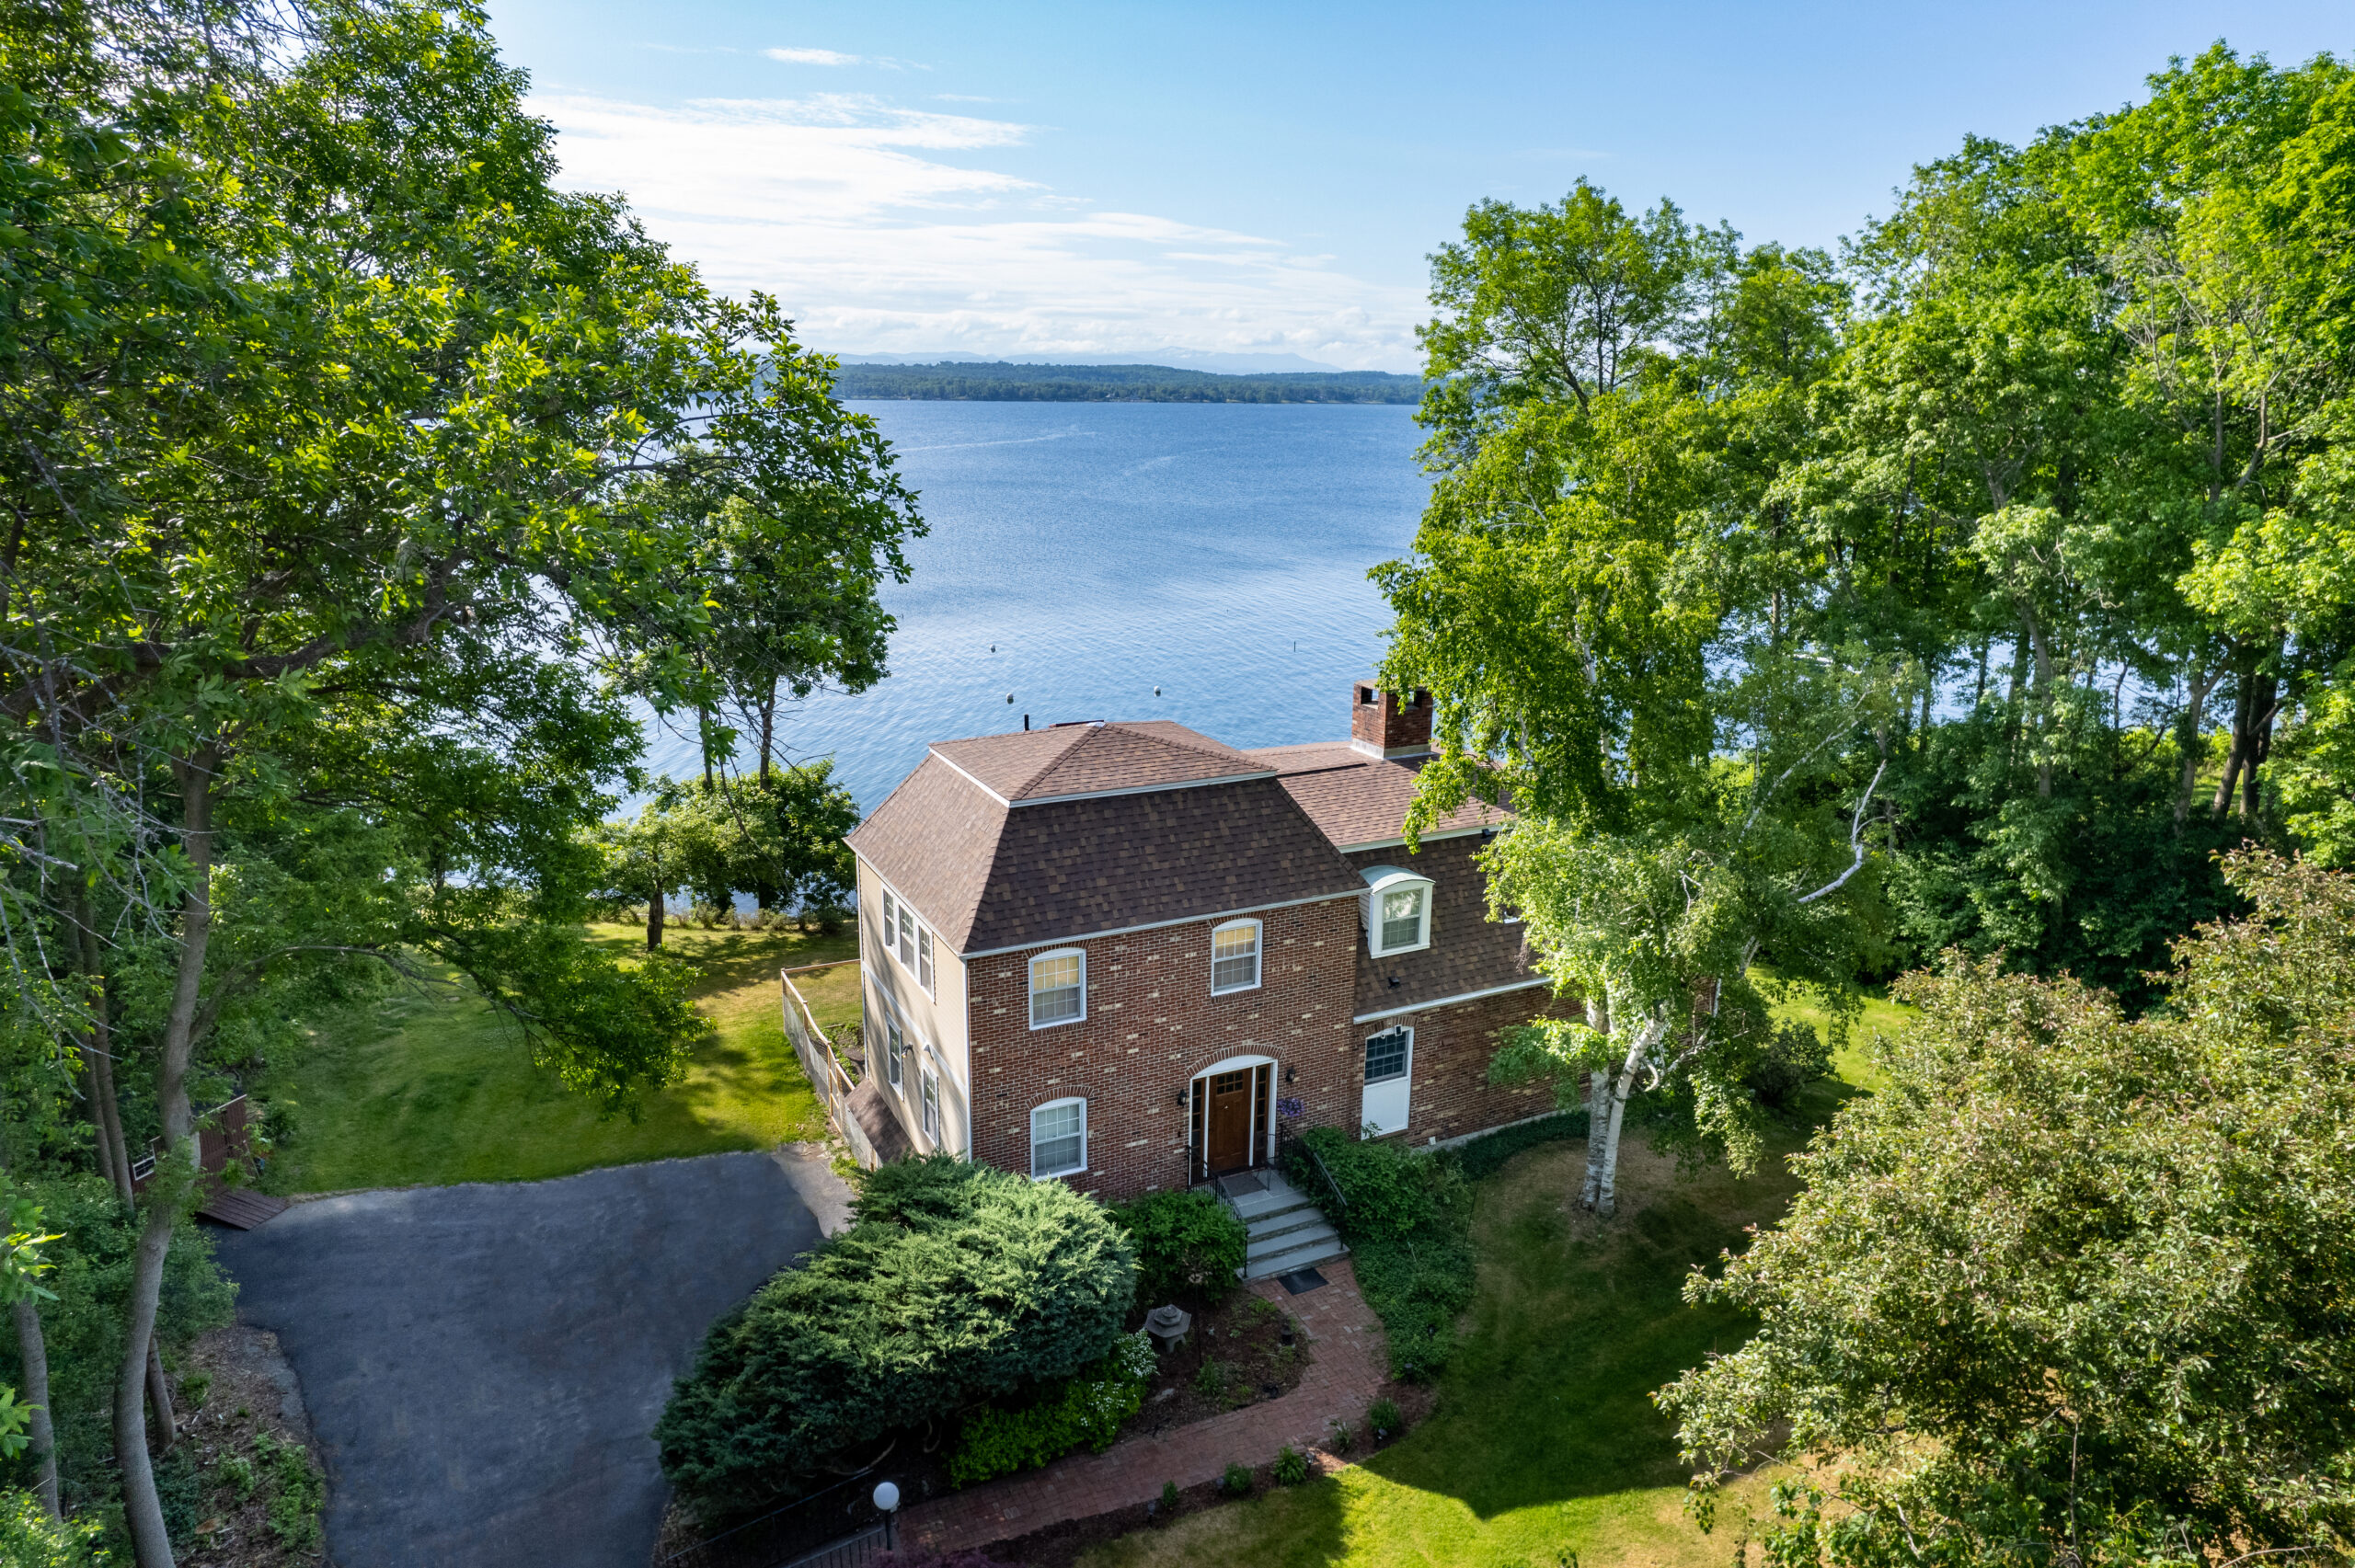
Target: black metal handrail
x: 736, y: 1545
x: 1285, y: 1136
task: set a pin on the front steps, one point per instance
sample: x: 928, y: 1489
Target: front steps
x: 1286, y: 1230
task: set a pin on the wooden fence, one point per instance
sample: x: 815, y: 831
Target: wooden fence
x: 826, y: 1074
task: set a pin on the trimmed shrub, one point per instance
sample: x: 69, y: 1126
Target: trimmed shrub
x: 957, y: 1282
x: 1483, y: 1156
x: 1188, y: 1244
x: 1796, y: 1056
x: 1236, y: 1481
x: 1087, y: 1411
x: 1291, y: 1467
x: 1384, y: 1190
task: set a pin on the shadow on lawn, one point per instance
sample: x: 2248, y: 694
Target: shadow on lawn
x: 1577, y: 1324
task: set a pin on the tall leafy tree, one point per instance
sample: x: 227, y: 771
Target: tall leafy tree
x: 345, y: 448
x: 2073, y: 1286
x: 1603, y: 599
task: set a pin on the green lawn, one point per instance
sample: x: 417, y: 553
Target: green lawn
x: 1880, y: 1016
x: 436, y: 1088
x: 1545, y: 1441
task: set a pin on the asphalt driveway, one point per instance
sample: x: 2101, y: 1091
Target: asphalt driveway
x: 482, y: 1362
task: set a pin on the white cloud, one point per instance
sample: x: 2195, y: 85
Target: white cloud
x: 849, y: 210
x: 813, y: 57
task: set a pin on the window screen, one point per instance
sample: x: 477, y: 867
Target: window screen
x: 894, y: 1047
x: 923, y: 958
x: 1234, y: 957
x: 931, y: 1103
x: 1057, y: 993
x: 1058, y: 1137
x: 907, y: 937
x: 1386, y: 1055
x: 890, y: 918
x: 1402, y: 919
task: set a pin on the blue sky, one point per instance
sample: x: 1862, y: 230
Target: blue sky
x: 1266, y: 178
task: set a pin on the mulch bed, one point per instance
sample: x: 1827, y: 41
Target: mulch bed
x: 1253, y: 1350
x: 248, y: 1390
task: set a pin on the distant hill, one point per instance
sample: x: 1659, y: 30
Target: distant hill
x: 961, y: 381
x: 1174, y: 359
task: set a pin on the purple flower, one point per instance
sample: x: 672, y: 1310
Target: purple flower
x: 1290, y: 1108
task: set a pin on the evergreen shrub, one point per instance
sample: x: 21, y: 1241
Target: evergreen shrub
x: 1795, y: 1058
x: 1188, y: 1244
x: 1086, y: 1411
x: 956, y: 1283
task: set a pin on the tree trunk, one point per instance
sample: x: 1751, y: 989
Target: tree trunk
x: 166, y: 1420
x: 2260, y: 744
x: 2043, y: 699
x: 654, y: 921
x: 2243, y: 703
x: 143, y: 1510
x: 2194, y: 748
x: 105, y: 1110
x: 34, y: 1353
x: 1602, y: 1142
x: 768, y: 731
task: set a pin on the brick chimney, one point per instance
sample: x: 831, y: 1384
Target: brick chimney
x: 1382, y: 724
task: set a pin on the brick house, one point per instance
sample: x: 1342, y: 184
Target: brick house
x: 1119, y: 954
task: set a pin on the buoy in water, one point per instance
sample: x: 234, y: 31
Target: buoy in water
x: 1156, y: 690
x: 1010, y: 696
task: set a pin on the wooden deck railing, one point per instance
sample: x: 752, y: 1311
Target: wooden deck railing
x: 826, y: 1074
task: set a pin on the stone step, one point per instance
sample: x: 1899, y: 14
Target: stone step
x: 1315, y: 1233
x: 1305, y: 1256
x: 1273, y: 1225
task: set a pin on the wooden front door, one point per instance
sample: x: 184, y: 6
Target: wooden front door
x: 1228, y: 1145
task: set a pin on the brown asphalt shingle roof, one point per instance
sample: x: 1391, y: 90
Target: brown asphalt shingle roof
x: 1468, y: 952
x: 985, y: 876
x: 1081, y: 759
x: 1358, y: 799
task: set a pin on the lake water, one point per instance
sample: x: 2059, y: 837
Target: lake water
x: 1082, y: 555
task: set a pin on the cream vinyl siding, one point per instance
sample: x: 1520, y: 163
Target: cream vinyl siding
x: 936, y: 1022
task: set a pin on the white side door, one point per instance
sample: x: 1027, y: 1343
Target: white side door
x: 1389, y: 1072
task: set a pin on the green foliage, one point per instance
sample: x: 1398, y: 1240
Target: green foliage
x: 1483, y: 1156
x: 1189, y: 1245
x: 1384, y: 1190
x: 1796, y: 1058
x: 1420, y: 1283
x: 957, y: 1283
x: 1382, y: 1419
x: 1087, y: 1411
x: 1987, y: 1340
x: 31, y: 1539
x: 297, y: 1492
x: 1237, y: 1481
x: 91, y: 1269
x: 1291, y: 1467
x: 236, y: 1475
x: 1169, y: 1499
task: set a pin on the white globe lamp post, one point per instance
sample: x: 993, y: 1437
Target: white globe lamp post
x: 887, y: 1499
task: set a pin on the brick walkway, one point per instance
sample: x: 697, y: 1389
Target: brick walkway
x: 1344, y: 1377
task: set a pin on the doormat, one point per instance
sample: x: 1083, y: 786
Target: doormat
x: 1243, y: 1185
x: 1301, y: 1281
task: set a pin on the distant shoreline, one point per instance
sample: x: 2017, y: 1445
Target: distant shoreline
x: 965, y: 382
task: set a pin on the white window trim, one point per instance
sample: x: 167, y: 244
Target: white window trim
x: 1259, y: 957
x: 1382, y: 879
x: 928, y: 1102
x: 1078, y: 1170
x: 896, y: 909
x: 1031, y: 984
x: 927, y: 965
x: 893, y: 1075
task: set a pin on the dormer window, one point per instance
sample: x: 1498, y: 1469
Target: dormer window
x: 1398, y: 916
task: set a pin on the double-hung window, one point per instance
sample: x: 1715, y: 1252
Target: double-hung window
x: 931, y: 1110
x: 1058, y: 987
x: 890, y: 920
x: 1059, y: 1139
x: 1234, y: 957
x: 1398, y: 917
x: 907, y: 937
x: 895, y: 1046
x: 923, y: 958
